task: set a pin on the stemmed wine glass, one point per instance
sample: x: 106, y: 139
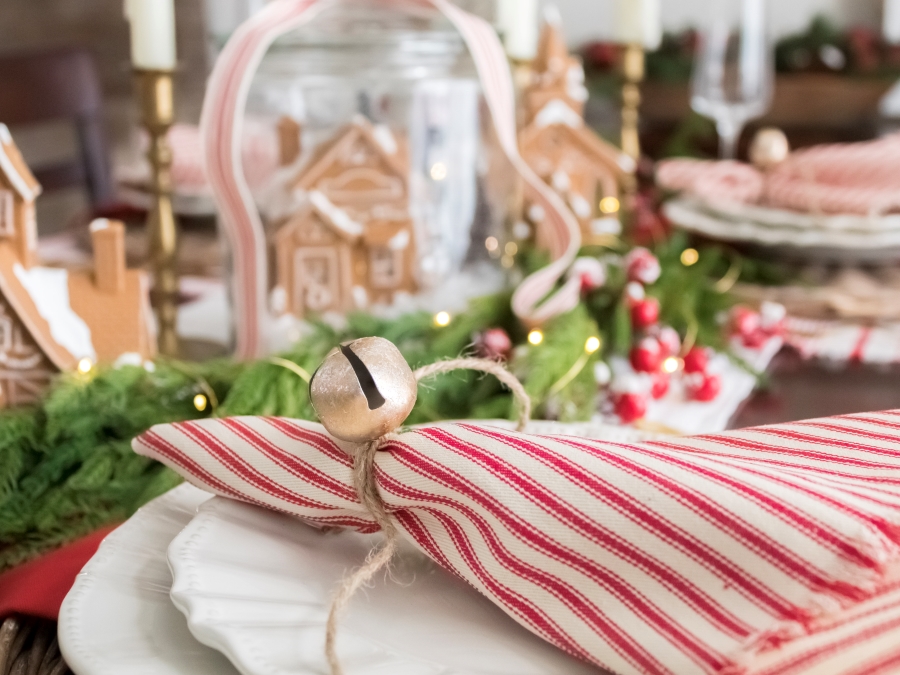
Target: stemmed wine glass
x: 734, y: 68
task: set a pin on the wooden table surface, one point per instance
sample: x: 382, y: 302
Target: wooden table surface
x: 801, y: 390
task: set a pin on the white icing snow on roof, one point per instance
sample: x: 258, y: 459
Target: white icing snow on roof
x: 385, y: 138
x: 558, y: 112
x: 49, y: 290
x: 553, y: 16
x: 400, y: 241
x: 9, y: 168
x: 575, y: 83
x: 336, y: 216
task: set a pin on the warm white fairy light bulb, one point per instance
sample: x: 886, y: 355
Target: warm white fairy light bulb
x: 201, y: 402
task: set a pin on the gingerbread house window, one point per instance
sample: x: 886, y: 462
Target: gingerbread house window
x: 386, y: 267
x: 7, y: 213
x: 316, y: 283
x: 6, y: 334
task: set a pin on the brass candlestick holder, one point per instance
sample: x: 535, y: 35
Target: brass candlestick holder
x: 157, y: 101
x: 633, y: 71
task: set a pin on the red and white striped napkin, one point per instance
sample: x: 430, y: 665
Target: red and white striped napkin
x: 841, y: 178
x: 714, y: 554
x: 861, y: 640
x: 845, y: 341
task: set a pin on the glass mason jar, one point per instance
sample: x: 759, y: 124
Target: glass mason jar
x: 389, y: 192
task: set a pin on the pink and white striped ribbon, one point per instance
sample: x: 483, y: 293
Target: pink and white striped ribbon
x: 673, y: 557
x: 535, y: 301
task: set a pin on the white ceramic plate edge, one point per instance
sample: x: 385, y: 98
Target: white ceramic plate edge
x: 93, y: 585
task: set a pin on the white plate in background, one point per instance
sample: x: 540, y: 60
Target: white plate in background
x: 825, y: 238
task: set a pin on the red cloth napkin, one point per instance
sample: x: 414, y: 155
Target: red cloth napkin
x: 38, y: 588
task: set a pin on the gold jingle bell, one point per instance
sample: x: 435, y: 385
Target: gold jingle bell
x: 770, y: 147
x: 363, y: 390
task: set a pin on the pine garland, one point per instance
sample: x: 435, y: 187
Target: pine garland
x: 66, y: 467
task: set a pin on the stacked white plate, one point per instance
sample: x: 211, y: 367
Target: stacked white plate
x: 194, y: 585
x: 841, y: 238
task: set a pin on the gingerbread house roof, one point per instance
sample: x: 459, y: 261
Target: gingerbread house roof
x: 571, y: 129
x: 14, y: 168
x: 373, y: 233
x: 552, y: 54
x: 71, y: 319
x: 336, y: 219
x: 557, y: 76
x: 378, y: 139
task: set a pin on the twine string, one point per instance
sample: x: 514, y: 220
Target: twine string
x: 367, y: 490
x: 489, y: 367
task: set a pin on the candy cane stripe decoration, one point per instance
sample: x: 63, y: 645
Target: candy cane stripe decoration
x: 222, y: 121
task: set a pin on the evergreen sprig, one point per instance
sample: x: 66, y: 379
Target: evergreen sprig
x: 66, y: 466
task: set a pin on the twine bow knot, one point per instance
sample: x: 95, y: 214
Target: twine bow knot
x: 367, y: 490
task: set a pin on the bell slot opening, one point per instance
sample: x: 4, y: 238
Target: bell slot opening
x: 366, y: 381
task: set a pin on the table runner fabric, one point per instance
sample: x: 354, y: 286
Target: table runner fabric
x: 683, y: 556
x: 39, y: 587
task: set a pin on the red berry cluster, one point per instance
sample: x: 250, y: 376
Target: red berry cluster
x: 655, y: 344
x: 701, y: 384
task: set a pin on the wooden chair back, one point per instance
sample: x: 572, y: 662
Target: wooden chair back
x: 55, y: 85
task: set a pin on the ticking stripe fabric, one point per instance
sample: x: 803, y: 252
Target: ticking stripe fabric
x: 845, y: 341
x: 862, y: 640
x: 675, y: 556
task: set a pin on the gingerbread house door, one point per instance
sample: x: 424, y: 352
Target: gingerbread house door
x: 317, y: 280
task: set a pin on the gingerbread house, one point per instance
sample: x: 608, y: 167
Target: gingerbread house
x: 350, y: 241
x: 53, y: 319
x: 585, y: 170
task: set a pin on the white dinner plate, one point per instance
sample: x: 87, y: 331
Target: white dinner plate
x: 257, y: 586
x: 118, y: 619
x: 839, y: 238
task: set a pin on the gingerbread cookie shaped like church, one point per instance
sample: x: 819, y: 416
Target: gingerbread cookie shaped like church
x: 52, y: 320
x: 586, y: 171
x: 350, y: 243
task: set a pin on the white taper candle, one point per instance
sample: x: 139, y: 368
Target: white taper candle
x: 152, y: 33
x: 518, y: 22
x: 639, y: 22
x: 892, y: 21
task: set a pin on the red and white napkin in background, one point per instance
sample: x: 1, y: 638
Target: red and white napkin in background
x: 683, y: 556
x: 841, y: 178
